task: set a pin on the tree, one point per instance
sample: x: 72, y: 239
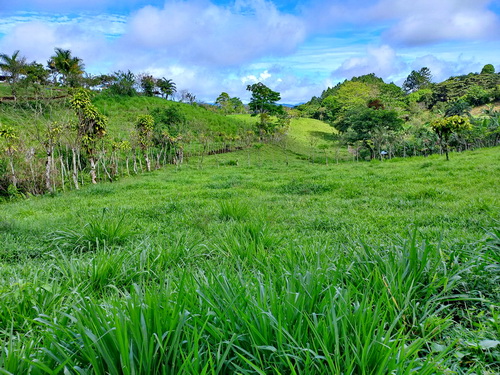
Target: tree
x: 366, y: 125
x: 417, y: 80
x: 35, y: 75
x: 148, y: 84
x: 13, y: 66
x: 348, y: 95
x: 263, y: 103
x: 263, y: 99
x: 477, y: 95
x: 223, y: 101
x: 91, y: 126
x: 446, y: 126
x: 167, y: 87
x: 68, y: 67
x: 170, y: 120
x: 145, y: 125
x: 9, y: 141
x: 237, y: 105
x: 123, y: 83
x: 488, y: 69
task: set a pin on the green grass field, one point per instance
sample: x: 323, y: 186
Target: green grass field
x: 259, y: 262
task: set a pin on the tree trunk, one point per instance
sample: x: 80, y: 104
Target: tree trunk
x: 135, y: 163
x: 48, y: 169
x: 75, y: 169
x: 62, y: 171
x: 148, y: 162
x: 13, y: 178
x: 93, y: 176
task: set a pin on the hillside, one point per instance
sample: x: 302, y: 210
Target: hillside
x: 121, y: 111
x: 254, y: 259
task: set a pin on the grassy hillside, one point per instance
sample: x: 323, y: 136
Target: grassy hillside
x: 266, y: 265
x: 121, y: 112
x: 307, y: 138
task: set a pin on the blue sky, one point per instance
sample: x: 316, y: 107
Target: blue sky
x: 298, y: 48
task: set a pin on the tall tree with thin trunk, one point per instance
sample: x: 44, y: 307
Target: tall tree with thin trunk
x: 445, y: 127
x: 70, y: 68
x: 9, y: 140
x: 167, y: 87
x: 91, y: 126
x: 13, y: 66
x: 145, y: 125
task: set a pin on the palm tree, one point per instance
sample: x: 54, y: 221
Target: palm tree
x: 166, y: 86
x: 70, y: 68
x: 13, y: 66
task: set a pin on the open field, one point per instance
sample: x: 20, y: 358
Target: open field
x: 259, y: 263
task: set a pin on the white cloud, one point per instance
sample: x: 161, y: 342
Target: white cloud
x: 429, y: 21
x: 36, y: 40
x: 407, y: 22
x: 254, y: 79
x: 200, y: 32
x: 383, y: 61
x: 442, y: 68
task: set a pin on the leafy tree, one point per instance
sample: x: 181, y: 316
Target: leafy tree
x: 446, y: 126
x: 223, y: 101
x: 417, y: 80
x: 145, y: 125
x: 170, y: 120
x: 123, y: 84
x: 363, y: 124
x: 488, y: 69
x: 477, y: 95
x: 13, y: 66
x: 167, y: 87
x: 348, y: 95
x: 148, y: 84
x: 263, y: 103
x: 237, y: 105
x: 36, y: 74
x: 263, y: 99
x: 91, y: 126
x: 69, y: 68
x: 9, y: 140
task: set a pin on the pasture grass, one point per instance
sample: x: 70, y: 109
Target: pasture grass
x: 271, y: 265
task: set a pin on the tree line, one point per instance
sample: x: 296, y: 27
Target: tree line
x: 378, y: 119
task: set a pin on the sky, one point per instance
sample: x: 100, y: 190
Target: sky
x: 298, y: 48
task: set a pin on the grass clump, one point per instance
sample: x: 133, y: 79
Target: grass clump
x: 233, y: 210
x: 99, y: 232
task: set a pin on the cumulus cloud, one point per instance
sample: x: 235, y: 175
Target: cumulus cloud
x: 442, y: 69
x: 429, y: 21
x: 383, y: 61
x: 407, y: 22
x: 36, y: 40
x: 204, y: 33
x: 251, y: 78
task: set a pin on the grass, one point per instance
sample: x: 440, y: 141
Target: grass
x: 271, y: 265
x: 307, y: 138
